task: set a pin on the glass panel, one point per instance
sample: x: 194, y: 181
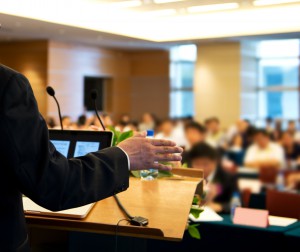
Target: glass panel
x: 182, y: 103
x: 184, y: 52
x: 182, y: 74
x: 280, y: 72
x: 279, y: 104
x: 278, y: 48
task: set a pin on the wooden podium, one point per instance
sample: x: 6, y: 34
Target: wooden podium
x: 165, y: 202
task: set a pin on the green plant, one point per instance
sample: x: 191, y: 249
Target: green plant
x: 119, y: 136
x: 195, y: 211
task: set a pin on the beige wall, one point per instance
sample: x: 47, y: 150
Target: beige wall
x: 217, y: 82
x: 29, y: 58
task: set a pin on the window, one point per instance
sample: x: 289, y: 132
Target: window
x: 182, y: 79
x: 278, y: 79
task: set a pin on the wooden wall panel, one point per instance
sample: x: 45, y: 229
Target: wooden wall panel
x: 150, y: 83
x: 70, y: 63
x: 138, y: 81
x: 29, y: 58
x: 217, y: 82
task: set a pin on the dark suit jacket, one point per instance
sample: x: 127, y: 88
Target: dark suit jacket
x: 228, y: 185
x: 30, y: 165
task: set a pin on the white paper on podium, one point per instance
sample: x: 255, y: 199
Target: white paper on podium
x: 207, y: 215
x: 281, y: 221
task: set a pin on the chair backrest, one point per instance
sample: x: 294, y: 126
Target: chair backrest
x: 268, y: 175
x: 283, y: 204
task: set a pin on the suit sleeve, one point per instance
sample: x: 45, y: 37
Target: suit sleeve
x: 42, y: 173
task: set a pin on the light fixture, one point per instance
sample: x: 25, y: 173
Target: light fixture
x: 126, y: 4
x: 166, y: 1
x: 160, y: 13
x: 212, y: 7
x: 272, y: 2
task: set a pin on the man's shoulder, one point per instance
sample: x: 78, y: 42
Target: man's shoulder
x: 6, y: 74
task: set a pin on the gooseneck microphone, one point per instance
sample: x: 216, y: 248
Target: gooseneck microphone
x: 51, y: 92
x: 94, y: 96
x: 133, y: 220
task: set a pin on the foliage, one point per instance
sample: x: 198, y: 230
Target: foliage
x: 119, y: 136
x: 194, y: 232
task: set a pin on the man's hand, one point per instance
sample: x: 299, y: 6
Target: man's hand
x: 144, y: 153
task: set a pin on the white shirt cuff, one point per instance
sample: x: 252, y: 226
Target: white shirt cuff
x: 128, y: 160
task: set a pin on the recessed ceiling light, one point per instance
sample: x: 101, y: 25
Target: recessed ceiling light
x: 126, y: 4
x: 213, y: 7
x: 166, y: 1
x: 272, y: 2
x: 160, y: 13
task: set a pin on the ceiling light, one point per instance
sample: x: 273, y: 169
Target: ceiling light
x: 160, y: 13
x: 126, y: 4
x: 213, y: 7
x: 166, y: 1
x: 272, y: 2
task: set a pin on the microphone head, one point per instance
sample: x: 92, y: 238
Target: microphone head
x: 50, y: 91
x: 94, y: 94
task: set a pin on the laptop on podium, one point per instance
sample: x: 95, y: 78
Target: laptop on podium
x: 71, y: 143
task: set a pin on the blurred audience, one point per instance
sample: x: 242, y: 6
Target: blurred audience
x: 215, y: 136
x: 242, y: 144
x: 276, y: 134
x: 220, y: 185
x: 264, y: 152
x: 165, y: 130
x: 66, y: 122
x: 194, y: 133
x: 148, y: 122
x: 236, y: 150
x: 291, y: 150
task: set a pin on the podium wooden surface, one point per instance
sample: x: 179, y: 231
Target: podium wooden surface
x: 165, y: 202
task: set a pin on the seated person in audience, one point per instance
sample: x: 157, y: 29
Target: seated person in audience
x: 236, y: 151
x: 165, y: 130
x: 66, y: 122
x: 291, y: 150
x: 293, y: 181
x: 132, y: 125
x: 50, y: 122
x: 263, y: 152
x: 178, y: 132
x: 194, y: 133
x: 215, y: 137
x: 148, y: 122
x: 269, y: 125
x: 292, y: 127
x: 220, y: 184
x: 82, y: 122
x: 277, y: 132
x: 124, y: 121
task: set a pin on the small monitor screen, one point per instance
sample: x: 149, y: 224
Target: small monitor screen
x: 83, y: 148
x: 62, y: 146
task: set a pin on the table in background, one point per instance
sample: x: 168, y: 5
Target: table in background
x: 226, y: 236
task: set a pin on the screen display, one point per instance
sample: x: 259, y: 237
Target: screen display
x: 83, y: 148
x: 62, y: 146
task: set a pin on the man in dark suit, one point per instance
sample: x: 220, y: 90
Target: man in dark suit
x: 220, y: 184
x: 30, y: 164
